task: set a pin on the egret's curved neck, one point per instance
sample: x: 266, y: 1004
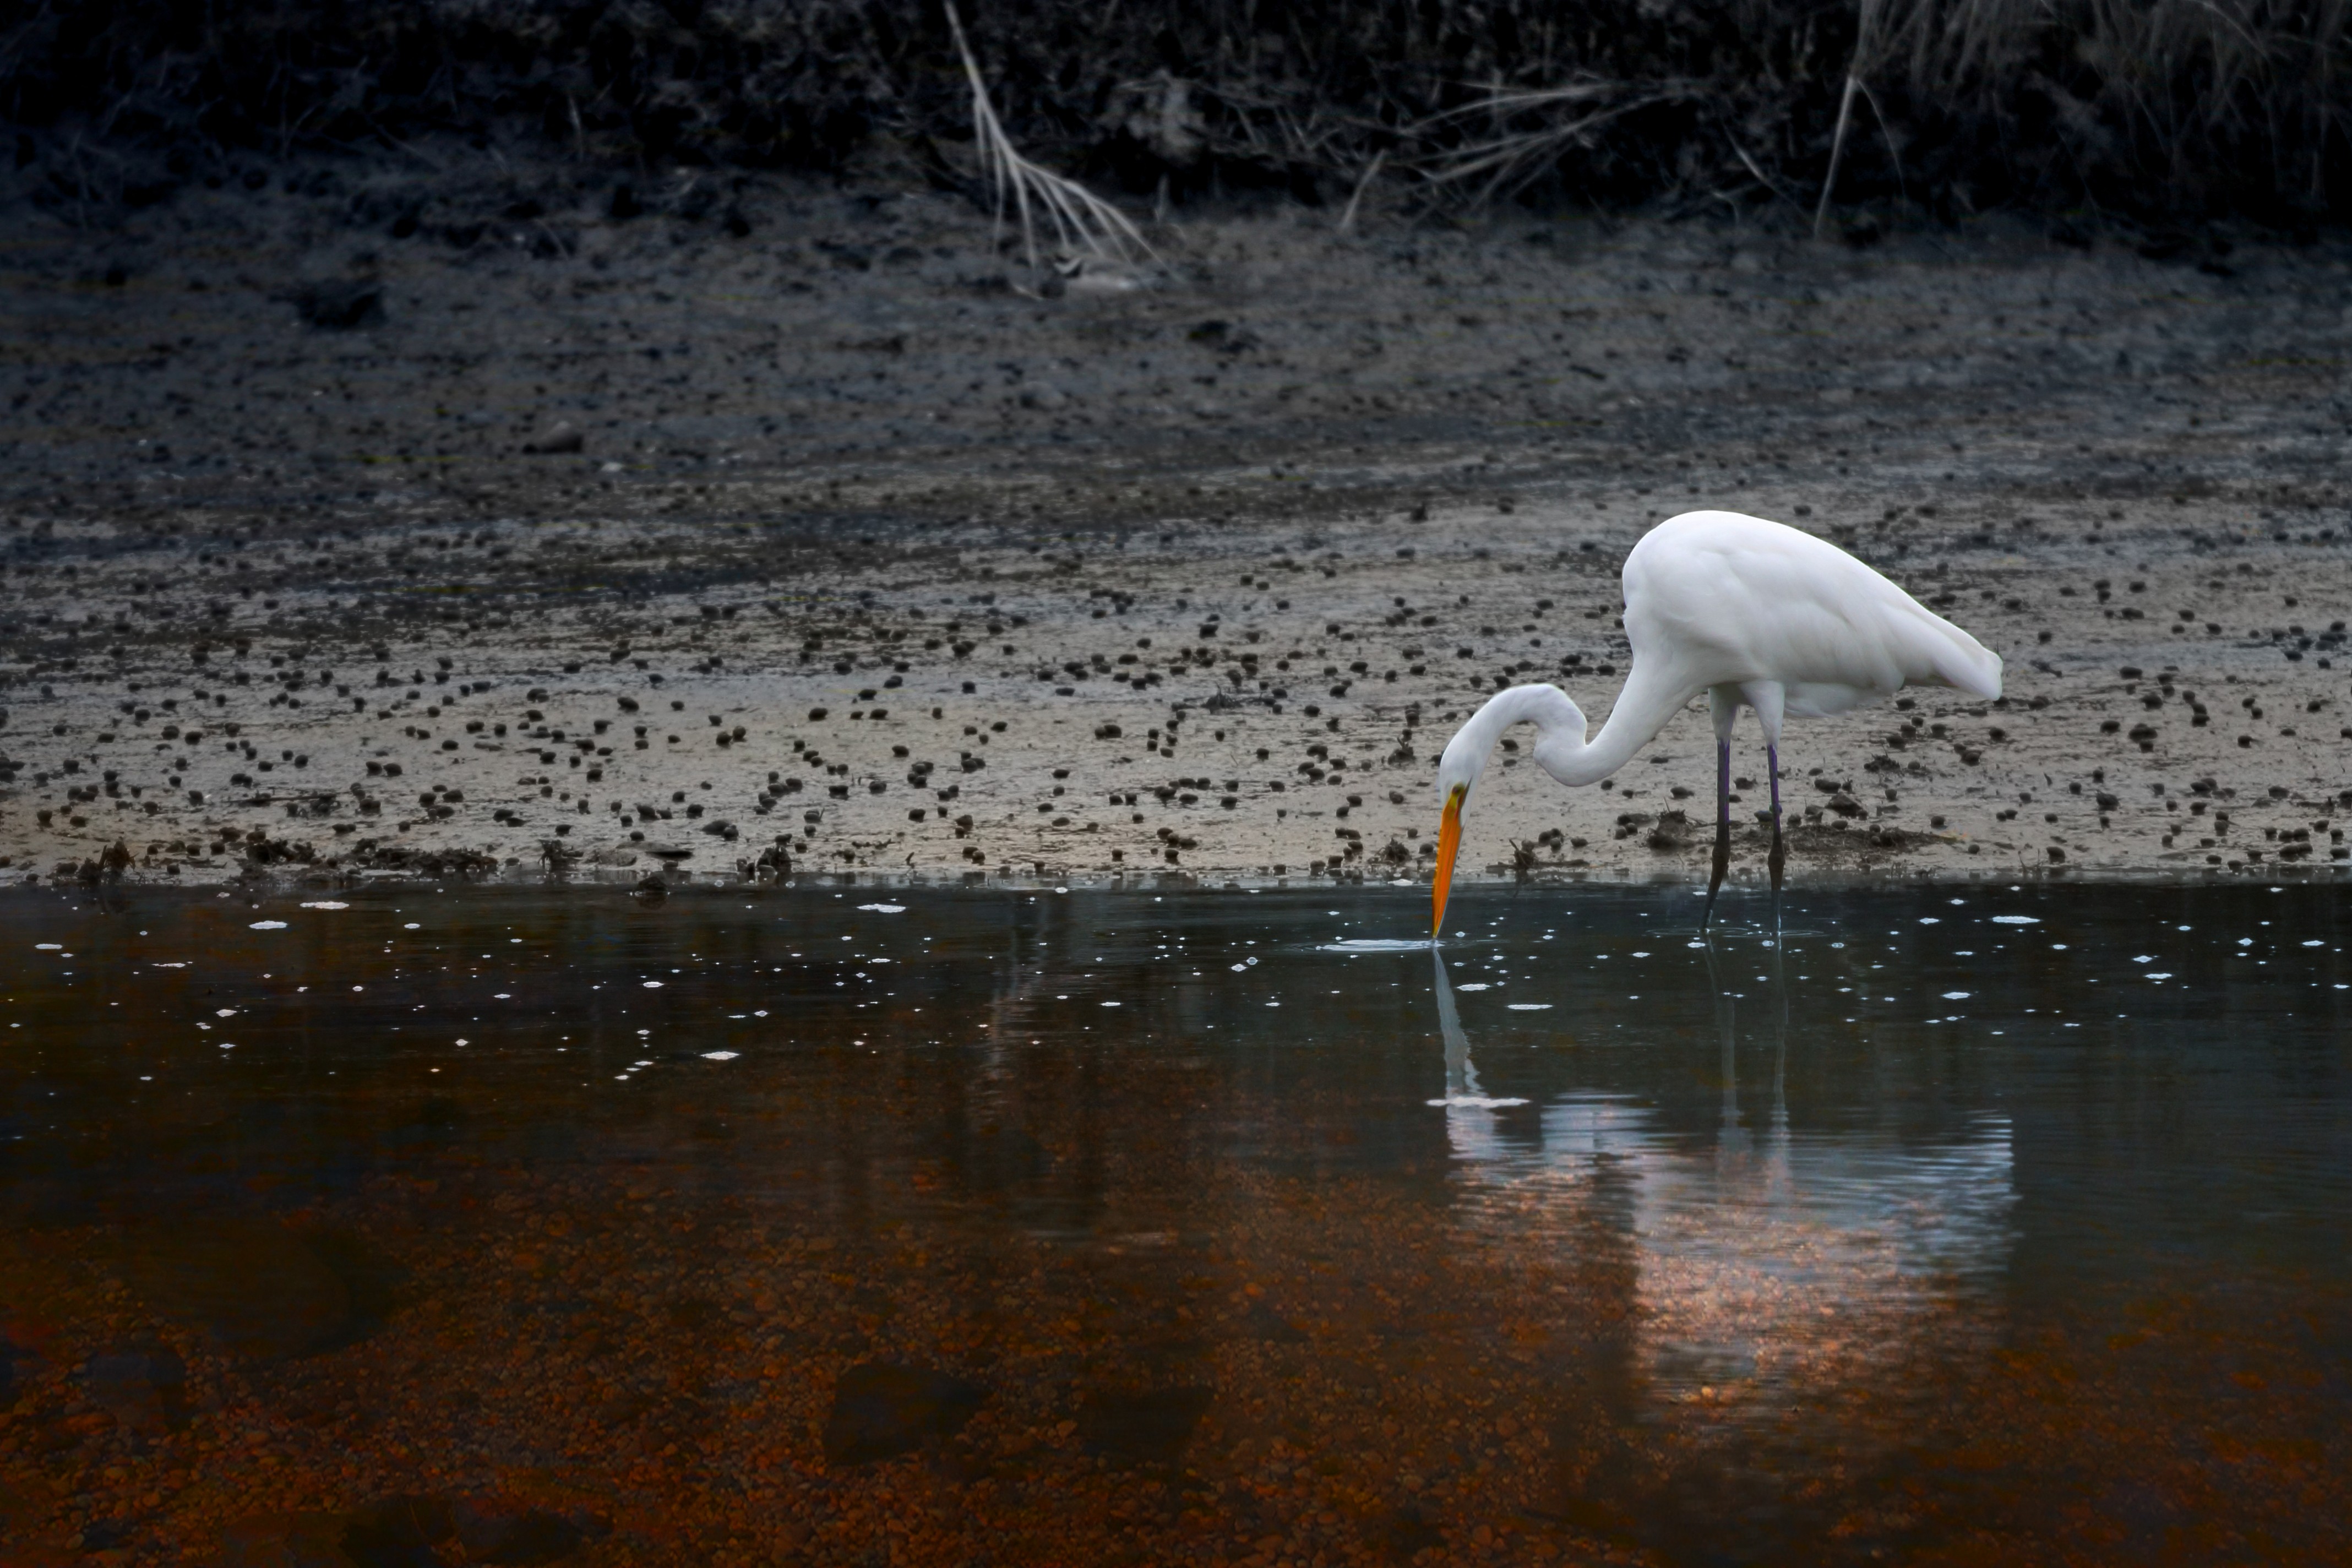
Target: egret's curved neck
x: 1641, y: 710
x: 1547, y: 708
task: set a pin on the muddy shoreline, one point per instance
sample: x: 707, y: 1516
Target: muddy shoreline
x: 333, y: 554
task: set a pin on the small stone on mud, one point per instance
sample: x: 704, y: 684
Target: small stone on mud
x: 291, y: 1540
x: 880, y: 1409
x: 397, y: 1532
x: 262, y: 1290
x: 494, y: 1531
x: 339, y: 304
x: 145, y: 1390
x: 1263, y: 1323
x: 1147, y: 1427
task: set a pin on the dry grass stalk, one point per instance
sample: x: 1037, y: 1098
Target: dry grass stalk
x: 1862, y: 42
x: 1510, y: 159
x: 1084, y: 224
x: 1347, y: 219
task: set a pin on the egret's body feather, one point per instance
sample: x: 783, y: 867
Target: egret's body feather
x: 1713, y: 599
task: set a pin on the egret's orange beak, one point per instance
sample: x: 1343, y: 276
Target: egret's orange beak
x: 1449, y: 841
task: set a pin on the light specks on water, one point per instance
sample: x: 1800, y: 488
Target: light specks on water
x: 1796, y: 1221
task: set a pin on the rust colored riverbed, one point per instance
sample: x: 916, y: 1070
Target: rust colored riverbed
x: 837, y: 1224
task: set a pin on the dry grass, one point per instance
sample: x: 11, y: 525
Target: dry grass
x: 1526, y: 133
x: 2154, y: 108
x: 1084, y: 224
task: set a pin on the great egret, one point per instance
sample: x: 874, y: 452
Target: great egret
x: 1749, y: 612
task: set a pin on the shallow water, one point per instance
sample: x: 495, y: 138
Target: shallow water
x: 1202, y: 1225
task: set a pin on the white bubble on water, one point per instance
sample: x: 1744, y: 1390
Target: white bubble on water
x: 1956, y: 996
x: 2024, y: 920
x: 267, y: 925
x: 1531, y: 1006
x: 718, y: 1056
x: 901, y: 908
x: 326, y: 904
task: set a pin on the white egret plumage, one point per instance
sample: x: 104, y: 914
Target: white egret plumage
x: 1756, y: 615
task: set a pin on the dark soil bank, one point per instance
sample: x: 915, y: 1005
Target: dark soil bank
x: 386, y: 516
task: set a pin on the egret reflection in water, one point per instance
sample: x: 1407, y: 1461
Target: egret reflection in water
x: 1773, y: 1268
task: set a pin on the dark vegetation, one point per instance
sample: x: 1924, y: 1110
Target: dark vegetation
x: 2156, y: 113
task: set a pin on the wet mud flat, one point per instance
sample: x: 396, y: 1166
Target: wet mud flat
x: 354, y: 526
x: 818, y: 1225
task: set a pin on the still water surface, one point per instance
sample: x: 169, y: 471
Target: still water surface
x: 837, y: 1224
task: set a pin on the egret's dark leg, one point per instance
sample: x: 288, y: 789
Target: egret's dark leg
x: 1722, y: 828
x: 1779, y: 848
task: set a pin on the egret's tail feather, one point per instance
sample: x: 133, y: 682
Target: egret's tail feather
x: 1971, y: 667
